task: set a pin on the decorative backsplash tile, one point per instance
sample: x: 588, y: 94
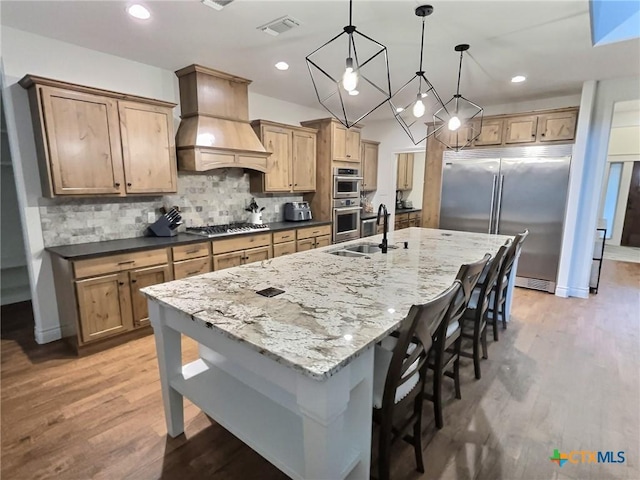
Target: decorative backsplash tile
x: 217, y: 197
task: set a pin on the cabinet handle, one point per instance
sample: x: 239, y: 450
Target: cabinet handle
x: 195, y: 250
x: 289, y: 184
x: 348, y: 156
x: 193, y: 273
x: 117, y: 184
x: 533, y: 134
x: 128, y: 184
x: 134, y: 280
x: 295, y: 185
x: 124, y: 262
x: 120, y: 283
x: 542, y: 135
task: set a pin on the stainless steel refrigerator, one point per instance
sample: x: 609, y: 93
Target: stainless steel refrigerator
x: 508, y: 190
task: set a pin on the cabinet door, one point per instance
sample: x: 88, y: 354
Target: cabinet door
x: 353, y: 146
x: 287, y: 248
x: 145, y: 277
x: 277, y: 141
x: 401, y: 171
x: 104, y: 304
x: 521, y: 129
x: 306, y: 244
x: 323, y: 241
x: 557, y: 126
x: 256, y: 255
x: 370, y: 166
x: 191, y: 268
x: 339, y: 147
x: 227, y: 260
x: 490, y: 133
x: 461, y: 136
x: 84, y: 151
x: 408, y: 180
x: 148, y: 148
x: 304, y: 161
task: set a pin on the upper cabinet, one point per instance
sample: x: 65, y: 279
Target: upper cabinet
x: 291, y: 167
x: 490, y: 133
x: 404, y: 179
x: 521, y: 129
x: 346, y: 143
x: 97, y: 142
x: 369, y: 156
x: 557, y: 126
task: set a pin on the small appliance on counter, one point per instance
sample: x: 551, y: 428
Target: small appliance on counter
x: 166, y: 225
x: 408, y: 204
x: 297, y: 211
x: 400, y: 203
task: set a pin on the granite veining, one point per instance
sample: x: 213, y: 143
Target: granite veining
x: 333, y: 307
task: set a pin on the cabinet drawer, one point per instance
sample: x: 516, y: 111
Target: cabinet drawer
x: 189, y: 268
x: 286, y: 236
x: 306, y: 244
x: 313, y: 232
x: 185, y: 252
x: 413, y: 215
x: 118, y: 263
x: 241, y: 243
x: 286, y: 248
x: 323, y: 241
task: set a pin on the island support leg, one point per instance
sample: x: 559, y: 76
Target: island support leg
x: 336, y: 418
x: 169, y: 351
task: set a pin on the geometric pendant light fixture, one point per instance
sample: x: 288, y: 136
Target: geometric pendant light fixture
x: 417, y: 100
x: 350, y: 74
x: 460, y: 121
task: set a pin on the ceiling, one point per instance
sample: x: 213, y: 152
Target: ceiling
x: 547, y: 41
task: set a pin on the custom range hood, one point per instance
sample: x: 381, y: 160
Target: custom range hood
x: 214, y: 131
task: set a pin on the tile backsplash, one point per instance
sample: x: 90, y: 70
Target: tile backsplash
x: 217, y: 197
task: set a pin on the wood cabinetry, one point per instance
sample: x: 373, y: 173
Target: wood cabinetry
x: 313, y: 237
x: 404, y: 179
x: 191, y: 260
x: 490, y: 133
x: 345, y: 144
x: 284, y: 243
x: 101, y: 296
x: 97, y: 142
x: 291, y: 167
x: 406, y: 220
x: 233, y: 252
x: 369, y: 165
x: 559, y: 126
x: 521, y: 129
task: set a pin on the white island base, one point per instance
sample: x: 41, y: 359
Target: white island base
x: 309, y: 429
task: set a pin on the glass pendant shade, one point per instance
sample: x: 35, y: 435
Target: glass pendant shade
x: 417, y: 100
x: 459, y: 122
x: 350, y: 75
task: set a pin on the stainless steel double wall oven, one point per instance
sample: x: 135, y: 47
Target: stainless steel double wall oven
x: 346, y: 204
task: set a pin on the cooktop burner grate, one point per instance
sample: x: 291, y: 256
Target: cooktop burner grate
x: 228, y: 229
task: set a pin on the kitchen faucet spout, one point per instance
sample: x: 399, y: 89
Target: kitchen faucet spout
x: 382, y: 210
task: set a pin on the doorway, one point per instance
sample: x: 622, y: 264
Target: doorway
x: 631, y: 227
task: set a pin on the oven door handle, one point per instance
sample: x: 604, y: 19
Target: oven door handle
x: 339, y: 177
x: 347, y: 209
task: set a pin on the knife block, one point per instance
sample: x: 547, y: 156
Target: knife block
x: 160, y: 228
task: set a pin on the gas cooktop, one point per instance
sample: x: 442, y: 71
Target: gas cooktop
x: 229, y: 229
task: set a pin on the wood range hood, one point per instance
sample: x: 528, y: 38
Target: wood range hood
x: 215, y: 131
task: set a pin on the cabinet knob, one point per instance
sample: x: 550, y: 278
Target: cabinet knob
x: 128, y: 184
x: 134, y: 280
x: 543, y: 134
x: 295, y: 185
x: 533, y: 134
x: 348, y: 156
x: 120, y: 283
x: 289, y: 184
x: 117, y: 184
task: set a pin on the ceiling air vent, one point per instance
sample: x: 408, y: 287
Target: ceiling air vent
x: 280, y: 25
x: 217, y: 4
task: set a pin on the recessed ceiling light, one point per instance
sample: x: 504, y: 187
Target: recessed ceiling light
x: 353, y: 92
x: 518, y: 79
x: 138, y: 11
x: 282, y: 66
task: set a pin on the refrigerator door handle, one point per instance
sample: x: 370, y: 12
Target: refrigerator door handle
x: 493, y: 196
x: 499, y: 203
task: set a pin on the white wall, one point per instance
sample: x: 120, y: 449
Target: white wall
x: 24, y: 53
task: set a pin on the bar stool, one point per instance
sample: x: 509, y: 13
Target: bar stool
x: 399, y: 377
x: 475, y: 316
x: 445, y: 351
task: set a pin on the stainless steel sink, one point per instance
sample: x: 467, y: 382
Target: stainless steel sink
x: 364, y: 248
x: 347, y: 253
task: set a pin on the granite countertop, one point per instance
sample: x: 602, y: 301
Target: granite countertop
x: 97, y: 249
x: 407, y: 210
x: 333, y: 307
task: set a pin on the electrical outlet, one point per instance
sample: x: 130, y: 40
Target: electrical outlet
x: 276, y: 208
x: 151, y: 217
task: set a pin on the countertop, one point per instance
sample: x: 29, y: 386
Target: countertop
x: 407, y: 210
x: 97, y: 249
x: 333, y: 307
x: 367, y: 216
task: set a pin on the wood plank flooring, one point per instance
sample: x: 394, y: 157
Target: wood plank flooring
x: 565, y: 375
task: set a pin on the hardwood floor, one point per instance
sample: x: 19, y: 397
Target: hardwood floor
x: 565, y: 375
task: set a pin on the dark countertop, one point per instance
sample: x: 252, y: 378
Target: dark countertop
x: 109, y: 247
x: 367, y: 216
x: 408, y: 210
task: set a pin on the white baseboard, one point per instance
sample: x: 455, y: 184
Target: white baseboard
x: 562, y: 291
x: 566, y: 292
x: 49, y: 335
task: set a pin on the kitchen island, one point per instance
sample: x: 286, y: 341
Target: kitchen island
x: 292, y: 375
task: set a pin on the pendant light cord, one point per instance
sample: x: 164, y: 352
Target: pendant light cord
x: 459, y: 74
x: 422, y: 44
x: 350, y: 12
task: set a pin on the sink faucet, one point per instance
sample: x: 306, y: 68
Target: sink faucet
x: 382, y: 209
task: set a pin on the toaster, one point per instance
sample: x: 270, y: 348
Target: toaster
x: 297, y: 211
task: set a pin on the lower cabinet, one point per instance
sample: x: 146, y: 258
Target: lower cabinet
x: 313, y: 237
x: 145, y: 277
x: 406, y: 220
x: 190, y: 260
x: 233, y: 252
x: 284, y: 243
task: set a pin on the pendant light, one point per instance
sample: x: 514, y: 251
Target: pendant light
x: 350, y: 74
x: 417, y: 97
x: 460, y: 120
